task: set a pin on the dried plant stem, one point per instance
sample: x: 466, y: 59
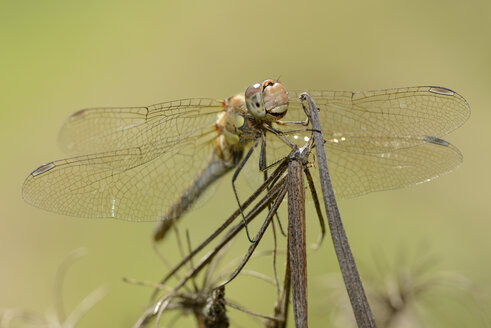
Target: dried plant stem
x: 356, y: 293
x: 254, y: 212
x: 296, y: 239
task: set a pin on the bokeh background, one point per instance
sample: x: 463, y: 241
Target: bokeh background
x: 59, y: 56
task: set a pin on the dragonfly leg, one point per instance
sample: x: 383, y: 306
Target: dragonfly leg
x: 282, y: 134
x: 262, y: 167
x: 313, y: 191
x: 258, y: 237
x: 279, y: 134
x: 303, y: 123
x: 234, y: 177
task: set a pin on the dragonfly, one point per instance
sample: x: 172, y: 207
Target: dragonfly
x: 155, y: 162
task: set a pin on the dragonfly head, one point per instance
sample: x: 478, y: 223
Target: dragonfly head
x: 267, y: 100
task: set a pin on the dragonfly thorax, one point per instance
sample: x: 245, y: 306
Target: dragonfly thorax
x: 234, y: 130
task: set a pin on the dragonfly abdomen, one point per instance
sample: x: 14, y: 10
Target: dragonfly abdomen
x: 213, y: 169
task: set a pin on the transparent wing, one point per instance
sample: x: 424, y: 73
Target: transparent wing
x: 358, y: 173
x: 100, y: 185
x: 156, y: 156
x: 397, y: 163
x: 414, y: 111
x: 97, y: 130
x: 383, y: 139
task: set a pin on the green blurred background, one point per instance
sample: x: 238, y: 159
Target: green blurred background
x: 59, y: 56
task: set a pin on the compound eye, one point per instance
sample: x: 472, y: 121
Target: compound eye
x: 252, y: 90
x: 254, y: 100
